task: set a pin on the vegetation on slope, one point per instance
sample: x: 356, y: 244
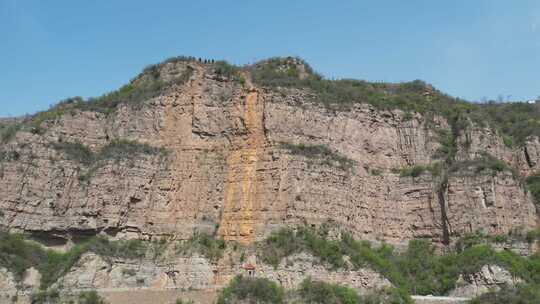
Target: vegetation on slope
x: 320, y: 153
x: 251, y: 290
x: 533, y: 186
x: 520, y: 294
x: 17, y: 254
x: 260, y: 290
x: 146, y: 85
x: 326, y: 293
x: 8, y: 131
x: 516, y: 121
x: 117, y: 150
x: 483, y: 162
x: 417, y: 170
x: 418, y: 270
x: 205, y: 244
x: 54, y: 297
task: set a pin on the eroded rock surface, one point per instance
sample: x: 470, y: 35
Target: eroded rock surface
x: 489, y: 278
x: 227, y: 171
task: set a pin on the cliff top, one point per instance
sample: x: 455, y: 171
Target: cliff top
x: 517, y: 121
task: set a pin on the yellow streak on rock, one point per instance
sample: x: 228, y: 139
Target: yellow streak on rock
x: 237, y: 221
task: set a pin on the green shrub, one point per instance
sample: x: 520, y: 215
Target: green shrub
x: 90, y: 297
x: 516, y: 121
x: 479, y: 238
x: 58, y: 264
x: 417, y: 170
x: 205, y: 244
x: 9, y: 156
x: 448, y: 148
x: 508, y: 141
x: 418, y: 270
x: 285, y: 242
x: 426, y: 272
x: 76, y: 151
x: 280, y: 244
x: 484, y: 162
x: 375, y: 172
x: 325, y: 293
x: 45, y: 297
x: 413, y: 171
x: 120, y: 149
x: 117, y: 150
x: 227, y: 70
x: 435, y: 169
x: 282, y: 72
x: 533, y: 235
x: 389, y: 295
x: 18, y: 254
x: 146, y: 85
x: 520, y: 294
x: 408, y: 116
x: 320, y: 152
x: 8, y: 131
x: 533, y: 186
x: 251, y: 290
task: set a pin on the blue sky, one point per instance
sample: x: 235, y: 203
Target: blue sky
x: 50, y: 50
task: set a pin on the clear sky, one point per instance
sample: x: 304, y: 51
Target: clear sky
x: 50, y: 50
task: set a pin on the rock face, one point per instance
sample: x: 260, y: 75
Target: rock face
x: 8, y: 285
x: 291, y: 272
x: 198, y: 273
x: 490, y: 277
x: 227, y: 171
x: 93, y: 272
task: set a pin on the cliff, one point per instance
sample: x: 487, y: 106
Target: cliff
x: 226, y: 165
x: 217, y: 152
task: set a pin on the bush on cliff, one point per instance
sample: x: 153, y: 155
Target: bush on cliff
x: 318, y: 292
x: 54, y: 297
x: 251, y: 290
x: 321, y: 153
x: 90, y: 297
x: 325, y: 293
x: 418, y: 270
x: 117, y: 150
x: 520, y: 294
x: 8, y: 131
x: 205, y: 244
x: 259, y: 290
x: 18, y: 254
x: 533, y: 186
x: 286, y: 242
x: 516, y: 121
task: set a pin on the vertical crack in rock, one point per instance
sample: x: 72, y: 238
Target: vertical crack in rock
x: 527, y: 157
x: 237, y: 222
x: 443, y: 187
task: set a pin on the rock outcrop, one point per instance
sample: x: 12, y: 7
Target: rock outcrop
x: 198, y: 273
x: 227, y: 170
x: 489, y: 278
x: 228, y: 158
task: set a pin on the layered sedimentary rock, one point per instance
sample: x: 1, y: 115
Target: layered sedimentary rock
x: 226, y: 170
x: 198, y: 273
x: 489, y: 278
